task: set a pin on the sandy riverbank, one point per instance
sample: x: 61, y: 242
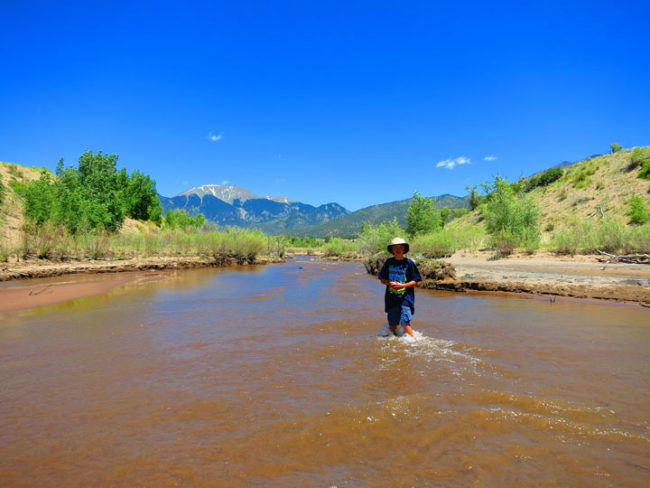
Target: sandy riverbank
x: 548, y: 274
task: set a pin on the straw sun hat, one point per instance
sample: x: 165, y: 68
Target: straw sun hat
x: 398, y: 240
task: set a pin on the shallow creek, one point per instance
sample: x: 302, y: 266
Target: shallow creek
x: 278, y: 376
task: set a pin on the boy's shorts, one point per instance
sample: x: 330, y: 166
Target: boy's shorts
x: 399, y: 315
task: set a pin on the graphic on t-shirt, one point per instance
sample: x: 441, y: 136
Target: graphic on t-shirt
x: 397, y: 273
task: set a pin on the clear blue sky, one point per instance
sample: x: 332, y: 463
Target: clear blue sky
x: 353, y: 102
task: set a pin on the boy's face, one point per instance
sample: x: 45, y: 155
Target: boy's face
x: 398, y: 250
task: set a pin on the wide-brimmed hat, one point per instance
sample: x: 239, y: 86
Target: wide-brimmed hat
x: 398, y: 240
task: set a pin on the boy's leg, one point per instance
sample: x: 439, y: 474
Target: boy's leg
x: 394, y: 315
x: 405, y: 320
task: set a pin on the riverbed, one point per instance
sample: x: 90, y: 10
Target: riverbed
x: 279, y: 375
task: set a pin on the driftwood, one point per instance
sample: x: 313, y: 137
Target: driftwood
x: 628, y: 258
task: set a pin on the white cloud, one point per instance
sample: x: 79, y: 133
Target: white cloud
x: 451, y: 163
x: 215, y: 138
x: 225, y: 182
x: 490, y: 158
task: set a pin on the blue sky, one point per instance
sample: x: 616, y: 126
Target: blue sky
x: 358, y: 103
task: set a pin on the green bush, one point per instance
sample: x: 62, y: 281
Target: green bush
x: 180, y: 219
x: 544, y: 179
x: 637, y: 211
x: 375, y: 239
x: 508, y: 217
x: 640, y: 156
x: 339, y: 247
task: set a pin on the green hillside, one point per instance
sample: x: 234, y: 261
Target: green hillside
x: 587, y: 194
x: 349, y: 226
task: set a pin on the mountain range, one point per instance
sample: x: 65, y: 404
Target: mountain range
x: 226, y: 205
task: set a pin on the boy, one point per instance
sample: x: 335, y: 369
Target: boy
x: 399, y: 274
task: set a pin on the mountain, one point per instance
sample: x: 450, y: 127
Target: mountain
x: 233, y: 205
x: 350, y: 225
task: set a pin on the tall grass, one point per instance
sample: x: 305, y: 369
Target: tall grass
x: 449, y: 240
x: 609, y: 235
x: 231, y: 244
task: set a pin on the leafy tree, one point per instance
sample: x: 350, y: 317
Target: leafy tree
x: 474, y: 197
x: 445, y: 212
x: 510, y: 218
x: 92, y: 196
x: 421, y: 216
x: 39, y: 198
x: 141, y: 198
x: 615, y: 146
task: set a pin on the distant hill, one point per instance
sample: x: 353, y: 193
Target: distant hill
x: 230, y: 205
x: 350, y: 225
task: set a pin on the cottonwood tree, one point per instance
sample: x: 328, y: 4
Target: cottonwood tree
x: 422, y: 216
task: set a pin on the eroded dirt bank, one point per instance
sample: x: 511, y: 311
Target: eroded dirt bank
x: 542, y: 274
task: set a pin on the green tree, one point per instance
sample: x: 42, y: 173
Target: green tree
x: 615, y: 146
x: 141, y: 198
x: 40, y: 198
x: 445, y: 213
x: 510, y: 218
x: 422, y: 216
x: 92, y: 196
x: 474, y: 197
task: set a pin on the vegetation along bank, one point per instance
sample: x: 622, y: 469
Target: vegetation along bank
x: 95, y: 218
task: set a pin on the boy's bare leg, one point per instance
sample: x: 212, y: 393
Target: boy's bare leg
x: 408, y: 329
x: 393, y: 329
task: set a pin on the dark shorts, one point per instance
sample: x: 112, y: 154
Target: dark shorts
x: 399, y: 315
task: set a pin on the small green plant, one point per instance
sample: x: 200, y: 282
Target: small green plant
x: 615, y: 147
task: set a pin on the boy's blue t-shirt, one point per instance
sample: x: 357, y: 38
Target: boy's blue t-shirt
x: 403, y: 270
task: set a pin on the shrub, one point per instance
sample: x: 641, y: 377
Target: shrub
x: 544, y: 179
x: 510, y: 218
x: 374, y: 239
x: 637, y: 211
x: 339, y: 247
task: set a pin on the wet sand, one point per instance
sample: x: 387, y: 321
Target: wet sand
x: 49, y: 291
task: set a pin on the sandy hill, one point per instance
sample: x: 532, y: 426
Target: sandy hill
x: 591, y: 189
x: 588, y: 190
x: 11, y: 211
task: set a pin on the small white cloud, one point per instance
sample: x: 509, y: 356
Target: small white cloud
x: 451, y: 163
x: 215, y: 138
x: 225, y: 182
x: 490, y: 158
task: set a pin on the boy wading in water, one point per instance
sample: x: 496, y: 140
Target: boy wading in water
x: 399, y: 274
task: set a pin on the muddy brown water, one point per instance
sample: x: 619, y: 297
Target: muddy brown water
x: 278, y: 376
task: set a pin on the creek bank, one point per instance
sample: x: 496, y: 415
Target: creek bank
x: 46, y: 269
x: 581, y: 277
